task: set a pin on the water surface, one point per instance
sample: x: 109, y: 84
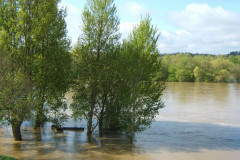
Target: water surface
x: 200, y: 121
x: 213, y: 103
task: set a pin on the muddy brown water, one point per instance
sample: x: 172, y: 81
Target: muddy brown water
x: 200, y: 121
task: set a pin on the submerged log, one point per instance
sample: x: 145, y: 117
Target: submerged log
x: 68, y: 128
x: 73, y: 128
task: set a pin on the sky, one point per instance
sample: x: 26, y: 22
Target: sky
x: 196, y: 26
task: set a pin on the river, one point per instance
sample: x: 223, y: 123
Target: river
x: 199, y: 121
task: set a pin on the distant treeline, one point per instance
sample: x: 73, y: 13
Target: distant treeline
x: 188, y: 67
x: 232, y: 53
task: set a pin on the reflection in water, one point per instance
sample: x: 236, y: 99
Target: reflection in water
x: 163, y: 137
x: 37, y: 134
x: 200, y: 121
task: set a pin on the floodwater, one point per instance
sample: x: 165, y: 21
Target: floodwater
x: 200, y: 121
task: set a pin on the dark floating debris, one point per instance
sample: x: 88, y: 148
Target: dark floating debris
x: 67, y: 128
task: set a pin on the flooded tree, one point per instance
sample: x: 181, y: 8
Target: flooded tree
x: 141, y: 62
x: 16, y: 98
x: 16, y: 87
x: 115, y: 87
x: 93, y: 57
x: 52, y: 61
x: 33, y: 39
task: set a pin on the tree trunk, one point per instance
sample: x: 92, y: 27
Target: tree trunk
x: 100, y: 131
x: 89, y: 125
x: 37, y: 122
x: 16, y: 130
x: 40, y: 117
x: 90, y: 115
x: 132, y: 125
x: 100, y: 125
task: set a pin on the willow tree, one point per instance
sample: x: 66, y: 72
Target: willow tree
x: 140, y: 60
x: 33, y: 37
x: 93, y: 56
x: 52, y: 61
x: 16, y: 97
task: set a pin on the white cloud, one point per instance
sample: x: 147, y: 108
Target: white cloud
x: 136, y: 10
x: 126, y: 28
x: 73, y: 21
x: 202, y: 29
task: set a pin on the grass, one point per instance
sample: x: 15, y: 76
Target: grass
x: 7, y: 158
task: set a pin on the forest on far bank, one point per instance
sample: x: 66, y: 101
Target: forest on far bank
x: 188, y: 67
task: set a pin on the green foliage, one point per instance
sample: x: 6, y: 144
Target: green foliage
x: 172, y: 74
x: 199, y: 74
x: 114, y: 84
x: 94, y: 58
x: 7, y: 158
x: 223, y: 76
x: 52, y: 61
x: 234, y: 59
x: 17, y: 96
x: 140, y: 59
x: 201, y: 68
x: 163, y: 72
x: 33, y: 38
x: 236, y: 73
x: 179, y: 67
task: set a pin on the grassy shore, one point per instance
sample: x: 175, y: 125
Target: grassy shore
x: 7, y: 158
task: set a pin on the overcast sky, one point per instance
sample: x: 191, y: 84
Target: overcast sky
x: 197, y: 26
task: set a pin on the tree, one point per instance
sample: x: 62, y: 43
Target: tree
x: 169, y: 67
x: 206, y: 67
x: 184, y: 68
x: 163, y: 72
x: 223, y: 76
x: 52, y: 61
x: 221, y: 69
x: 16, y: 100
x: 236, y: 73
x: 140, y: 59
x: 234, y: 59
x: 33, y: 37
x: 198, y: 73
x: 234, y: 53
x: 93, y: 59
x: 16, y: 88
x: 172, y: 74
